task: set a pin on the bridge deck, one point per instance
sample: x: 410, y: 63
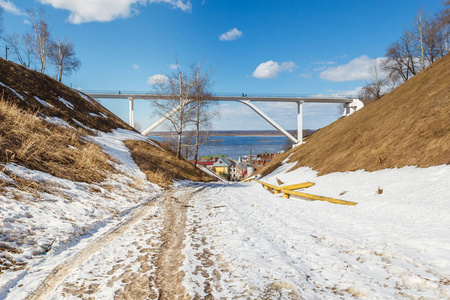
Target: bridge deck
x: 222, y: 98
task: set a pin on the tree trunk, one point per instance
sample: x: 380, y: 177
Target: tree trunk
x: 60, y: 71
x: 197, y: 134
x: 179, y: 146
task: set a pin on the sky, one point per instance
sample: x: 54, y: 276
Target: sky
x: 289, y: 47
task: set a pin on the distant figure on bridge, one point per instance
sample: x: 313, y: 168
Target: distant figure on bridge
x: 242, y: 94
x: 119, y: 92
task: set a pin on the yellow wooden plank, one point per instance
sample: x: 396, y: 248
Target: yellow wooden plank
x: 285, y: 187
x: 297, y: 186
x: 316, y: 197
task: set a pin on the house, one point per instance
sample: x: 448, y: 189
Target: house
x: 222, y: 167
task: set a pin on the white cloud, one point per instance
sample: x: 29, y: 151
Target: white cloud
x: 320, y: 68
x: 107, y: 10
x: 158, y: 79
x: 305, y: 75
x: 25, y: 21
x: 324, y: 63
x: 271, y: 69
x: 231, y: 35
x: 135, y: 66
x: 339, y: 93
x: 361, y: 68
x: 173, y: 66
x: 9, y: 7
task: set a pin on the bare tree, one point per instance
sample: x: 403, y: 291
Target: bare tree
x: 176, y: 109
x: 41, y: 41
x: 202, y: 103
x: 62, y: 54
x: 402, y: 59
x: 13, y: 41
x: 444, y: 20
x: 420, y: 24
x: 27, y: 41
x: 419, y: 46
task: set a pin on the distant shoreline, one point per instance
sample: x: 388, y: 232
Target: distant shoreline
x: 237, y: 133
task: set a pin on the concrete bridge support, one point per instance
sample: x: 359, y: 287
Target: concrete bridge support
x: 271, y: 122
x: 131, y: 111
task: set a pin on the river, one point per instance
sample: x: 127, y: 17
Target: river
x: 235, y: 146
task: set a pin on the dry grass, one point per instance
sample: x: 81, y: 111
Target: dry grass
x: 161, y: 167
x: 31, y: 84
x: 409, y: 126
x: 29, y: 141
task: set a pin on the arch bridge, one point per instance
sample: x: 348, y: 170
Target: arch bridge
x: 350, y: 106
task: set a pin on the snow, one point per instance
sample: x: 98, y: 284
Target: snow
x: 241, y: 241
x: 17, y: 94
x: 100, y: 114
x: 84, y: 96
x: 71, y: 214
x: 43, y: 102
x: 66, y: 103
x: 82, y: 125
x: 57, y: 121
x: 390, y: 245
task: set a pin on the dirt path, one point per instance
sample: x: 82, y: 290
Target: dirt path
x: 170, y: 259
x: 140, y: 258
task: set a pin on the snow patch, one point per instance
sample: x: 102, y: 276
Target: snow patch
x: 84, y: 96
x: 82, y: 125
x: 57, y: 121
x: 66, y: 103
x: 44, y: 103
x: 17, y: 94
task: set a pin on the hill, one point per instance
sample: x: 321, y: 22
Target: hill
x: 410, y: 126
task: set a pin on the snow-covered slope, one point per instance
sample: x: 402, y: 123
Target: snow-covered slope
x: 244, y: 242
x: 40, y: 226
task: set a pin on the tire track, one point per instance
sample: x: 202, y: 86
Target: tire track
x: 59, y: 273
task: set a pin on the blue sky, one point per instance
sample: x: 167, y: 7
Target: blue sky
x: 272, y: 47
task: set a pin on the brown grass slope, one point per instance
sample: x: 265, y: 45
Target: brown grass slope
x: 161, y: 167
x: 36, y: 144
x: 409, y: 126
x: 29, y: 84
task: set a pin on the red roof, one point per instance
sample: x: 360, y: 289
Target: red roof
x: 204, y: 163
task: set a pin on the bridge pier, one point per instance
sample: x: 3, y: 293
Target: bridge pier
x: 131, y: 110
x: 300, y: 122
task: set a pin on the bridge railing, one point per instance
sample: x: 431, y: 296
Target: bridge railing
x: 126, y: 92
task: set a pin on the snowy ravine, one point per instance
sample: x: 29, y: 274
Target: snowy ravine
x: 242, y: 242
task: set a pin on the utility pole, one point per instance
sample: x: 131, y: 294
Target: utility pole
x: 6, y: 50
